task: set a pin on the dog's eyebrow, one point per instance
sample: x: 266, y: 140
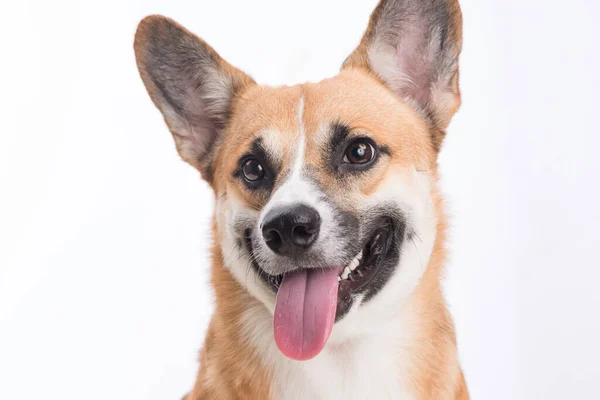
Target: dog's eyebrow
x: 259, y: 150
x: 257, y: 146
x: 340, y: 133
x: 385, y: 150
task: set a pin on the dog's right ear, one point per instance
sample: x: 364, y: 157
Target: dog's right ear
x: 191, y: 85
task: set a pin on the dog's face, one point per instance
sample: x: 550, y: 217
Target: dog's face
x: 325, y: 193
x: 321, y: 183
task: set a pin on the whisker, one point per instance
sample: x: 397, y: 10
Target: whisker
x: 418, y: 237
x: 418, y: 253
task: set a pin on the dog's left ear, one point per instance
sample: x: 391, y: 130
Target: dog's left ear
x: 412, y: 46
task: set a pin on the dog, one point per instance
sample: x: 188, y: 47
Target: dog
x: 329, y: 225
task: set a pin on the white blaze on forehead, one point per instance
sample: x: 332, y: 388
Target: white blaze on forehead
x: 295, y: 189
x: 297, y: 167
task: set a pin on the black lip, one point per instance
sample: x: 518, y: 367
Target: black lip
x: 375, y: 251
x: 379, y: 252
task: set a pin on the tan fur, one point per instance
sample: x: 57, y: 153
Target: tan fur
x: 436, y: 372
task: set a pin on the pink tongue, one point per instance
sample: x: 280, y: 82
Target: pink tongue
x: 305, y: 312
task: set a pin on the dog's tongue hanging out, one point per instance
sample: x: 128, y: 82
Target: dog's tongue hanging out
x: 305, y: 312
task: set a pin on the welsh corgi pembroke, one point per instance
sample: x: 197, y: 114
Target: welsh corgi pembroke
x: 328, y: 226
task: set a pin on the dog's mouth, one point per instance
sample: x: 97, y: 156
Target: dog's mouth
x: 356, y: 275
x: 310, y: 300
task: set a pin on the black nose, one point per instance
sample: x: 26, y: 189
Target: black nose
x: 290, y: 230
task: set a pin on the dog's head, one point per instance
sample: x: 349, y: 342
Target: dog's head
x: 326, y: 206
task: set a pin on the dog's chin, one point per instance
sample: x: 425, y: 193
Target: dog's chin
x: 363, y: 275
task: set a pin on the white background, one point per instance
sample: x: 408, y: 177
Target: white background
x: 104, y: 231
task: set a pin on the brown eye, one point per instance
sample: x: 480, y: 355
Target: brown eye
x: 253, y: 170
x: 359, y: 152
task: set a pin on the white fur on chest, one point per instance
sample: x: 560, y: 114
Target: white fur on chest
x: 356, y: 369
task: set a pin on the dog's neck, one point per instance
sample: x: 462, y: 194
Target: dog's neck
x: 411, y: 356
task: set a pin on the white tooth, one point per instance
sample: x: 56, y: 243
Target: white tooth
x: 353, y: 264
x: 346, y: 273
x: 359, y: 256
x: 339, y: 278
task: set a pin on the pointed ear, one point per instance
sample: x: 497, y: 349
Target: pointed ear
x: 413, y: 46
x: 190, y: 84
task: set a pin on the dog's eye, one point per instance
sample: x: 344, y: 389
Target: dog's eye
x: 359, y: 152
x: 253, y: 170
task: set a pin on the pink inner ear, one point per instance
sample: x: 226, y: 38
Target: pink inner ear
x: 193, y: 130
x: 413, y: 46
x: 201, y: 114
x: 407, y: 67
